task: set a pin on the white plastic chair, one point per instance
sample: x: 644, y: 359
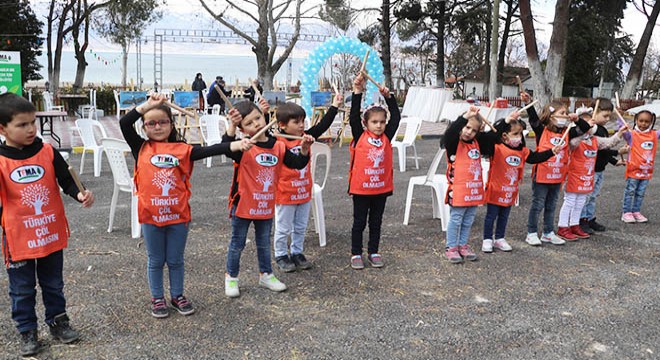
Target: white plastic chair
x: 50, y: 106
x: 212, y: 134
x: 89, y: 110
x: 319, y: 149
x: 205, y: 92
x: 413, y: 124
x: 115, y: 150
x: 215, y: 110
x: 438, y: 184
x: 85, y: 129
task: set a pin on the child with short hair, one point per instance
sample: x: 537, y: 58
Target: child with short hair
x: 547, y: 177
x: 508, y: 154
x: 35, y: 228
x: 371, y: 172
x: 643, y: 142
x: 163, y: 166
x: 588, y: 222
x: 465, y: 186
x: 252, y: 199
x: 580, y: 180
x: 294, y: 188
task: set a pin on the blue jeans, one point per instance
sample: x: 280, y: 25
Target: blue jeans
x: 589, y: 210
x: 460, y: 222
x: 165, y: 244
x: 239, y: 230
x: 291, y: 220
x: 633, y: 196
x: 499, y: 213
x: 23, y: 276
x: 544, y: 197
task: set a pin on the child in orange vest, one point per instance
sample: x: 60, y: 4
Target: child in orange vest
x: 508, y: 155
x: 35, y: 228
x: 163, y: 166
x: 294, y: 188
x: 643, y: 142
x: 465, y: 186
x: 547, y: 177
x: 371, y: 174
x: 252, y: 197
x: 580, y: 180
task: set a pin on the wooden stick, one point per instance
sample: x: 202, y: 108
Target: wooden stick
x: 287, y: 136
x: 76, y: 180
x: 364, y: 73
x: 563, y: 137
x: 257, y: 93
x: 334, y: 87
x: 561, y: 116
x: 179, y: 109
x: 485, y: 119
x: 528, y: 106
x: 364, y: 62
x: 618, y: 114
x: 223, y: 96
x: 520, y: 84
x: 264, y: 129
x: 618, y: 102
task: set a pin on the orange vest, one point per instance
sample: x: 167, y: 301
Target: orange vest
x: 642, y: 155
x: 581, y: 168
x: 162, y: 183
x: 33, y: 217
x: 371, y: 165
x: 294, y: 186
x: 257, y: 181
x: 554, y: 170
x: 506, y: 170
x: 464, y: 177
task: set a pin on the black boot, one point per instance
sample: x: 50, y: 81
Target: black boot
x: 596, y: 226
x: 62, y: 331
x: 584, y: 225
x: 29, y: 343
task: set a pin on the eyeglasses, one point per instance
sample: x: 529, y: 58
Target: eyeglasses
x: 161, y: 122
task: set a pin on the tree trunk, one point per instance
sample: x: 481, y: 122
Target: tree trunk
x: 635, y: 71
x: 511, y: 8
x: 541, y: 91
x: 486, y: 54
x: 492, y: 89
x: 440, y: 44
x: 80, y: 49
x: 557, y: 51
x: 124, y: 64
x: 385, y: 33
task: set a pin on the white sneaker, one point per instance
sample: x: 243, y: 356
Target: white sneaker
x: 270, y: 282
x: 502, y: 245
x: 231, y: 287
x: 553, y: 239
x: 487, y: 246
x: 533, y: 239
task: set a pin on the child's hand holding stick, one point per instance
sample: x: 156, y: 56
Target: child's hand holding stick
x: 84, y: 196
x: 528, y: 106
x: 307, y: 141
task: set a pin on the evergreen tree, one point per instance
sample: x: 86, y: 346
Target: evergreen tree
x: 20, y: 31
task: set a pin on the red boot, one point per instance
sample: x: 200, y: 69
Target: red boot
x: 566, y: 234
x: 577, y: 231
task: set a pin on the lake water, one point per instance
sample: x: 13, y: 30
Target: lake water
x: 177, y: 68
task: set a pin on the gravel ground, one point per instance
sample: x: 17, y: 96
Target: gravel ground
x: 594, y: 299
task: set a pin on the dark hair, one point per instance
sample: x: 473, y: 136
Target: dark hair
x: 604, y: 104
x: 11, y: 105
x: 245, y: 107
x: 373, y: 110
x: 198, y: 75
x: 289, y: 111
x: 175, y: 136
x: 647, y: 112
x: 503, y: 127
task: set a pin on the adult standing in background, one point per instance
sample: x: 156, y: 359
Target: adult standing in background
x: 249, y: 92
x: 199, y: 85
x: 213, y: 97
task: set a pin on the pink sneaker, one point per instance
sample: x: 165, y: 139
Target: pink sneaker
x: 453, y: 255
x: 467, y: 253
x: 628, y: 218
x: 639, y: 217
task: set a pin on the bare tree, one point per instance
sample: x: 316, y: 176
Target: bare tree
x: 35, y: 196
x: 266, y: 177
x: 376, y: 155
x: 475, y: 169
x: 635, y: 71
x: 547, y: 84
x: 165, y: 180
x: 268, y: 16
x: 512, y: 175
x: 494, y: 41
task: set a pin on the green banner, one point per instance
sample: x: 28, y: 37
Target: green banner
x: 10, y: 72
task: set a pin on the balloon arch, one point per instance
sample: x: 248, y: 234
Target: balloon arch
x: 317, y: 58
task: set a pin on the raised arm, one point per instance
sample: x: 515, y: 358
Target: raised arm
x: 395, y: 114
x: 317, y: 130
x: 355, y: 119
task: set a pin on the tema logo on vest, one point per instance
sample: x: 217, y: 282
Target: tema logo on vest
x: 266, y: 159
x: 590, y: 153
x: 164, y: 161
x: 474, y: 154
x: 513, y: 160
x: 647, y: 145
x: 556, y: 141
x: 27, y: 174
x: 375, y: 141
